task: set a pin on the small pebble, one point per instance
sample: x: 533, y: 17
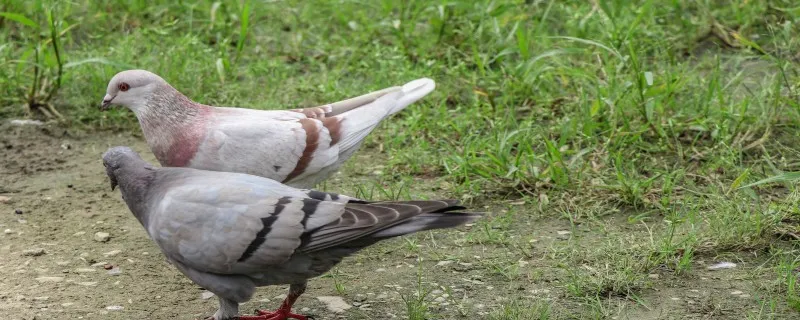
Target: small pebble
x: 4, y: 199
x: 33, y: 252
x: 108, y: 266
x: 18, y: 211
x: 69, y: 186
x: 115, y: 308
x: 722, y: 265
x: 112, y: 253
x: 102, y: 236
x: 335, y: 304
x: 26, y: 122
x: 114, y: 271
x: 206, y: 295
x: 8, y: 231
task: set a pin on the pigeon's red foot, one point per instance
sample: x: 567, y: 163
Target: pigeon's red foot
x: 285, y: 311
x: 280, y: 314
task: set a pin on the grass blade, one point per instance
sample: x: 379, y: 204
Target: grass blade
x: 19, y: 18
x: 590, y: 42
x: 244, y: 26
x: 783, y: 177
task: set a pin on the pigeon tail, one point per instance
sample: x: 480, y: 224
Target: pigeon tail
x: 412, y: 92
x: 406, y: 95
x: 356, y: 124
x: 427, y: 221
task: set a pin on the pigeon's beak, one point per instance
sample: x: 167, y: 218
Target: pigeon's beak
x: 106, y: 102
x: 113, y: 183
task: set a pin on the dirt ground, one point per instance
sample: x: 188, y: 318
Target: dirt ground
x: 55, y: 199
x: 54, y: 268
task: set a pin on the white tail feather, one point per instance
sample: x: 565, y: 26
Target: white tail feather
x: 359, y: 122
x: 412, y: 92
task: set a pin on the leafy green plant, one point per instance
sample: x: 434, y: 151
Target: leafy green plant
x: 44, y: 61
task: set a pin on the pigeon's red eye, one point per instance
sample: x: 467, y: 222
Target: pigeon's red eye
x: 123, y: 86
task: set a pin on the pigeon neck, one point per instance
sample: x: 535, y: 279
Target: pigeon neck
x: 171, y: 122
x: 167, y: 106
x: 134, y: 182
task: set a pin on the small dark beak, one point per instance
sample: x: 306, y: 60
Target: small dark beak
x: 106, y: 102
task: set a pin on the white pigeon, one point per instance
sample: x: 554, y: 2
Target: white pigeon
x: 299, y: 147
x: 233, y: 232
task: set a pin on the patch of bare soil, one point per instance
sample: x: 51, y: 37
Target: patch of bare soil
x: 56, y: 204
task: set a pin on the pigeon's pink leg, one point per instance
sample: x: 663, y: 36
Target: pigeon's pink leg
x: 285, y: 311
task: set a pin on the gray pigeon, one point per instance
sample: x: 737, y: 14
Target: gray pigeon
x: 233, y: 232
x: 298, y: 147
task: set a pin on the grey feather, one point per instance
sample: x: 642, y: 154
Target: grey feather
x: 232, y: 232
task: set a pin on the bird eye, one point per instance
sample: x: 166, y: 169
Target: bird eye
x: 123, y: 86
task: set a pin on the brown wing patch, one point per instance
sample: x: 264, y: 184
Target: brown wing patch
x: 316, y: 112
x: 312, y: 139
x: 334, y: 126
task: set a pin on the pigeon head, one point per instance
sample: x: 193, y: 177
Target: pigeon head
x: 131, y: 89
x: 116, y: 158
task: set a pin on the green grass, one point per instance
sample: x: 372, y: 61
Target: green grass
x: 633, y: 125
